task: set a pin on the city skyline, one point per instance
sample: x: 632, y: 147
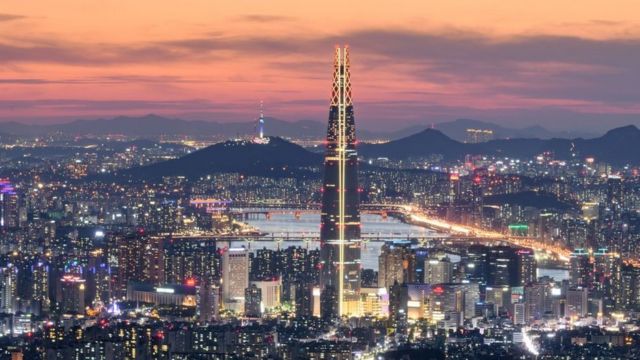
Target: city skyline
x: 557, y: 65
x: 476, y: 209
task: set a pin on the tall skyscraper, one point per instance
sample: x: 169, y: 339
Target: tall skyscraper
x: 40, y: 284
x: 252, y: 301
x: 340, y: 217
x: 581, y: 269
x: 208, y: 302
x: 438, y: 270
x: 139, y: 259
x: 577, y: 301
x: 527, y: 266
x: 8, y: 287
x: 396, y: 264
x: 271, y: 290
x: 235, y: 278
x: 263, y: 264
x: 9, y: 214
x: 475, y: 260
x: 501, y: 267
x: 187, y: 258
x: 70, y: 295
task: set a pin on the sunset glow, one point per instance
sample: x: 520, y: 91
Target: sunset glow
x: 419, y: 63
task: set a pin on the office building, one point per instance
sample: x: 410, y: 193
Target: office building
x: 235, y: 277
x: 340, y: 215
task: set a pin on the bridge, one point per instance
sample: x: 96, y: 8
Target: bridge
x: 267, y: 213
x: 409, y: 214
x: 416, y: 217
x: 258, y: 210
x: 212, y: 204
x: 457, y: 233
x: 315, y: 237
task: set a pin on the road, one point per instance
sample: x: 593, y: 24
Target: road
x: 417, y: 217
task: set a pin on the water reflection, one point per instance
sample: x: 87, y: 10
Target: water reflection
x: 306, y: 222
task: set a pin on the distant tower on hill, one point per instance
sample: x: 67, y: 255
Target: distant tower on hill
x: 261, y: 122
x: 260, y: 138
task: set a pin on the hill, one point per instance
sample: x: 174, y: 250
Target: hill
x: 618, y: 147
x: 278, y: 158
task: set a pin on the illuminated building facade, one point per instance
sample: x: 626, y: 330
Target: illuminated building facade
x: 475, y: 136
x: 581, y: 269
x: 438, y: 270
x: 396, y: 264
x: 139, y: 259
x: 375, y: 301
x: 168, y: 294
x: 527, y: 266
x: 270, y: 290
x: 577, y: 302
x: 340, y: 217
x: 451, y: 298
x: 235, y: 277
x: 8, y: 281
x: 208, y: 302
x: 9, y: 214
x: 40, y: 284
x: 190, y: 257
x: 263, y: 264
x: 71, y: 294
x: 252, y: 301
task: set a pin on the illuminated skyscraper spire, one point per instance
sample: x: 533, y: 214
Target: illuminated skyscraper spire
x: 340, y: 218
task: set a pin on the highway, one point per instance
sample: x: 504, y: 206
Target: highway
x: 417, y: 217
x: 410, y: 214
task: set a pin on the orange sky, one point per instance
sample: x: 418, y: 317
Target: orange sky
x: 413, y: 61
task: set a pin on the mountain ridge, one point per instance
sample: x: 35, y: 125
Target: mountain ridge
x: 281, y: 158
x: 617, y: 146
x: 152, y: 125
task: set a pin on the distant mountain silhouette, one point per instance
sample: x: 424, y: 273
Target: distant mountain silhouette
x: 278, y: 158
x: 153, y: 126
x: 618, y: 146
x: 421, y: 144
x: 457, y: 130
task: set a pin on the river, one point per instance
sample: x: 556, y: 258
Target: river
x: 306, y: 222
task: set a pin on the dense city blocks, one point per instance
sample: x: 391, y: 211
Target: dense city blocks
x: 189, y: 182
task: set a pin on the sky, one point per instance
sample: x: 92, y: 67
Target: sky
x: 560, y: 64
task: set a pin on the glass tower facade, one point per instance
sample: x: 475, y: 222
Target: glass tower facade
x: 340, y: 217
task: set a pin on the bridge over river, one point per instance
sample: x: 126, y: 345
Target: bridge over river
x: 441, y: 231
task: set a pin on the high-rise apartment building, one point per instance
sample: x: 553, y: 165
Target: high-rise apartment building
x: 396, y: 264
x: 437, y: 271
